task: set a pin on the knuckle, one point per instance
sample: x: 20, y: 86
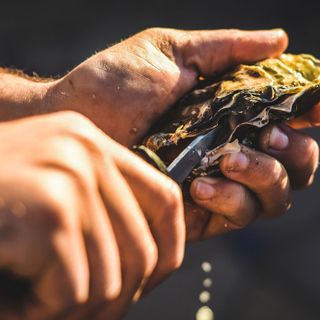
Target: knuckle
x: 72, y: 117
x: 113, y: 289
x: 237, y: 202
x: 150, y: 257
x: 55, y: 193
x: 163, y: 37
x: 172, y: 199
x: 79, y: 173
x: 302, y: 173
x: 310, y: 151
x: 274, y: 176
x: 144, y: 259
x: 75, y: 124
x: 173, y: 262
x: 242, y: 209
x: 154, y: 31
x: 281, y: 204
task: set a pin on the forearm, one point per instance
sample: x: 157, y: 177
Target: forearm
x: 21, y: 95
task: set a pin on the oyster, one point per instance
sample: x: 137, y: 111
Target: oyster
x: 240, y: 102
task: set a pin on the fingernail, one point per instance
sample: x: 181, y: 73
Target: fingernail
x: 237, y: 162
x: 203, y: 190
x: 278, y: 31
x: 278, y: 140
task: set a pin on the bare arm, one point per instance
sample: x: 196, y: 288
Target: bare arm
x: 22, y: 95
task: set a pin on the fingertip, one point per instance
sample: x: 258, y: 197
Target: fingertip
x: 281, y: 39
x: 236, y: 162
x: 202, y: 189
x: 274, y: 138
x: 271, y: 43
x: 113, y: 289
x: 82, y: 284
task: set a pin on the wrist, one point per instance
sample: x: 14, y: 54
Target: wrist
x: 22, y: 96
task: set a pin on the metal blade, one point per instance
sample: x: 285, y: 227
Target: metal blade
x: 182, y: 166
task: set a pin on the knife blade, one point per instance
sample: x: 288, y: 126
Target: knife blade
x: 185, y: 162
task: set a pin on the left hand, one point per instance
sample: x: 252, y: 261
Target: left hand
x: 127, y: 87
x: 254, y: 184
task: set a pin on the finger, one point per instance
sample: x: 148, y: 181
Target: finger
x: 298, y: 152
x: 161, y: 201
x: 231, y: 204
x: 101, y: 244
x: 311, y: 119
x: 138, y: 251
x: 46, y: 235
x: 64, y: 283
x: 103, y: 256
x: 196, y: 218
x: 210, y: 52
x: 263, y: 175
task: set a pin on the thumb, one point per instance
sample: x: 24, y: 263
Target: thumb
x: 210, y: 52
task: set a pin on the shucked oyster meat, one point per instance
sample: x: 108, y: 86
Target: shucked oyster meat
x: 240, y: 102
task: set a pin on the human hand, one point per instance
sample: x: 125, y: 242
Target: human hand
x: 254, y: 183
x: 127, y: 87
x: 289, y: 161
x: 87, y: 222
x: 131, y: 84
x: 310, y: 119
x: 152, y: 70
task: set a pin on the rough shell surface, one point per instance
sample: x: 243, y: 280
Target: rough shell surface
x: 240, y: 102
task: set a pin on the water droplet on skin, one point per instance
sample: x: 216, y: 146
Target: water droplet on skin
x: 206, y: 266
x: 204, y: 313
x: 207, y: 283
x: 204, y: 296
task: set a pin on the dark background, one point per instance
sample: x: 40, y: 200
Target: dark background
x: 271, y: 269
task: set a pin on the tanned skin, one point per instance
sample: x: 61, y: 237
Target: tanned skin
x: 89, y: 224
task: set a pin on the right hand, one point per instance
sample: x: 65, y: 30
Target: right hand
x: 87, y: 222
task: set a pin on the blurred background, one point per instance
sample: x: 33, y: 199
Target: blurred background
x: 271, y: 269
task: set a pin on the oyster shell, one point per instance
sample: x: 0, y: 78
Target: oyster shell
x: 241, y: 102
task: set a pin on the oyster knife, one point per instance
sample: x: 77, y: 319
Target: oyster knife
x: 191, y: 156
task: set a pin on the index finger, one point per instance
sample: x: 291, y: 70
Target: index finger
x: 161, y: 201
